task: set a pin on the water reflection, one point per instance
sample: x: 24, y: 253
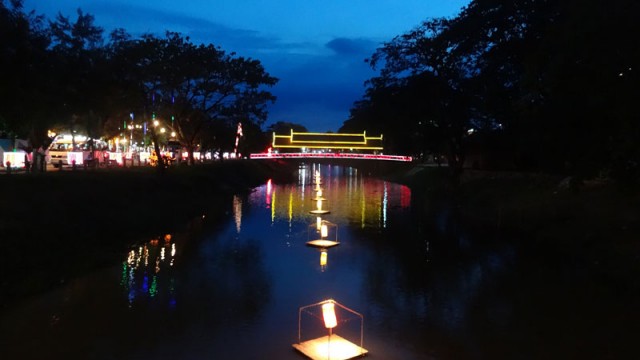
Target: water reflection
x: 323, y: 259
x: 237, y: 211
x: 352, y: 196
x: 428, y: 287
x: 140, y: 275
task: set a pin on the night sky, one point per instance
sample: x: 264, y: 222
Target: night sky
x: 316, y: 48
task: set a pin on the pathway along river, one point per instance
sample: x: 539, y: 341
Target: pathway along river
x: 426, y: 287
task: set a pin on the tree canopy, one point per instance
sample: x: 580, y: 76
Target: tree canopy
x: 529, y: 85
x: 63, y: 74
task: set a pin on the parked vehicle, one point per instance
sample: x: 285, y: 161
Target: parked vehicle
x: 66, y: 148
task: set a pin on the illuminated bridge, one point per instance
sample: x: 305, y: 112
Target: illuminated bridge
x: 304, y: 145
x: 330, y: 156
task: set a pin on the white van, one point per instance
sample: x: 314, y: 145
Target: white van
x: 62, y: 150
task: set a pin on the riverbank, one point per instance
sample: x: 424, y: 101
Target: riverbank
x: 594, y: 226
x: 57, y: 225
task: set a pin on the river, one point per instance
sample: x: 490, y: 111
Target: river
x: 424, y: 286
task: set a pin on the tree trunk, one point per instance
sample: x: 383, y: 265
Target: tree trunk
x: 191, y: 159
x: 160, y: 163
x: 455, y: 160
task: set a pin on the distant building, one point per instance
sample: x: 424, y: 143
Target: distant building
x: 315, y: 142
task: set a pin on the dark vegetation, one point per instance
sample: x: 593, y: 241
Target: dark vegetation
x: 59, y: 225
x: 63, y: 75
x: 592, y: 230
x: 535, y: 85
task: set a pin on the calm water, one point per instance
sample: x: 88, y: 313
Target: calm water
x: 426, y: 287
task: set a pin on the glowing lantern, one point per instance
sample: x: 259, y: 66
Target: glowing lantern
x: 323, y: 258
x: 324, y: 231
x: 329, y: 315
x: 322, y: 234
x: 331, y: 346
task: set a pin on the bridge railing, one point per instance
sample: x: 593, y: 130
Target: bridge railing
x: 330, y: 156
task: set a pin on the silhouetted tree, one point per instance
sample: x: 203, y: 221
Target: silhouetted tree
x: 199, y: 84
x: 550, y: 82
x: 423, y: 59
x: 81, y: 73
x: 284, y: 127
x: 24, y: 69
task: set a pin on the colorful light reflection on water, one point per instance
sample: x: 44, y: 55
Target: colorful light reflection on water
x: 141, y: 270
x: 426, y: 285
x: 357, y: 199
x: 236, y: 291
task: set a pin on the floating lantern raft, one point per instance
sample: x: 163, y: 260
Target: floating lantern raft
x: 331, y: 346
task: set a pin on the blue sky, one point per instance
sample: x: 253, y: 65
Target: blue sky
x: 315, y: 47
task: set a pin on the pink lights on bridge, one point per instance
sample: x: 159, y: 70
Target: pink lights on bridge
x: 330, y: 156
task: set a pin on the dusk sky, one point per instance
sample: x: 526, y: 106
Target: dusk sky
x: 316, y: 48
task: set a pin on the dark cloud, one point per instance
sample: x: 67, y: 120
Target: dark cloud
x: 141, y: 20
x: 345, y: 46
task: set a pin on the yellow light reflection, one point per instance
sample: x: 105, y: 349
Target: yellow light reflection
x: 362, y: 210
x: 372, y: 199
x: 273, y: 206
x: 290, y: 207
x: 132, y: 258
x: 323, y: 259
x: 237, y: 212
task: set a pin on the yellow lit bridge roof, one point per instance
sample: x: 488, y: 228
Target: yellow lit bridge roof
x: 335, y: 141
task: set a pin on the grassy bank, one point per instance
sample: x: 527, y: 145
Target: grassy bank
x: 595, y: 225
x: 60, y: 224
